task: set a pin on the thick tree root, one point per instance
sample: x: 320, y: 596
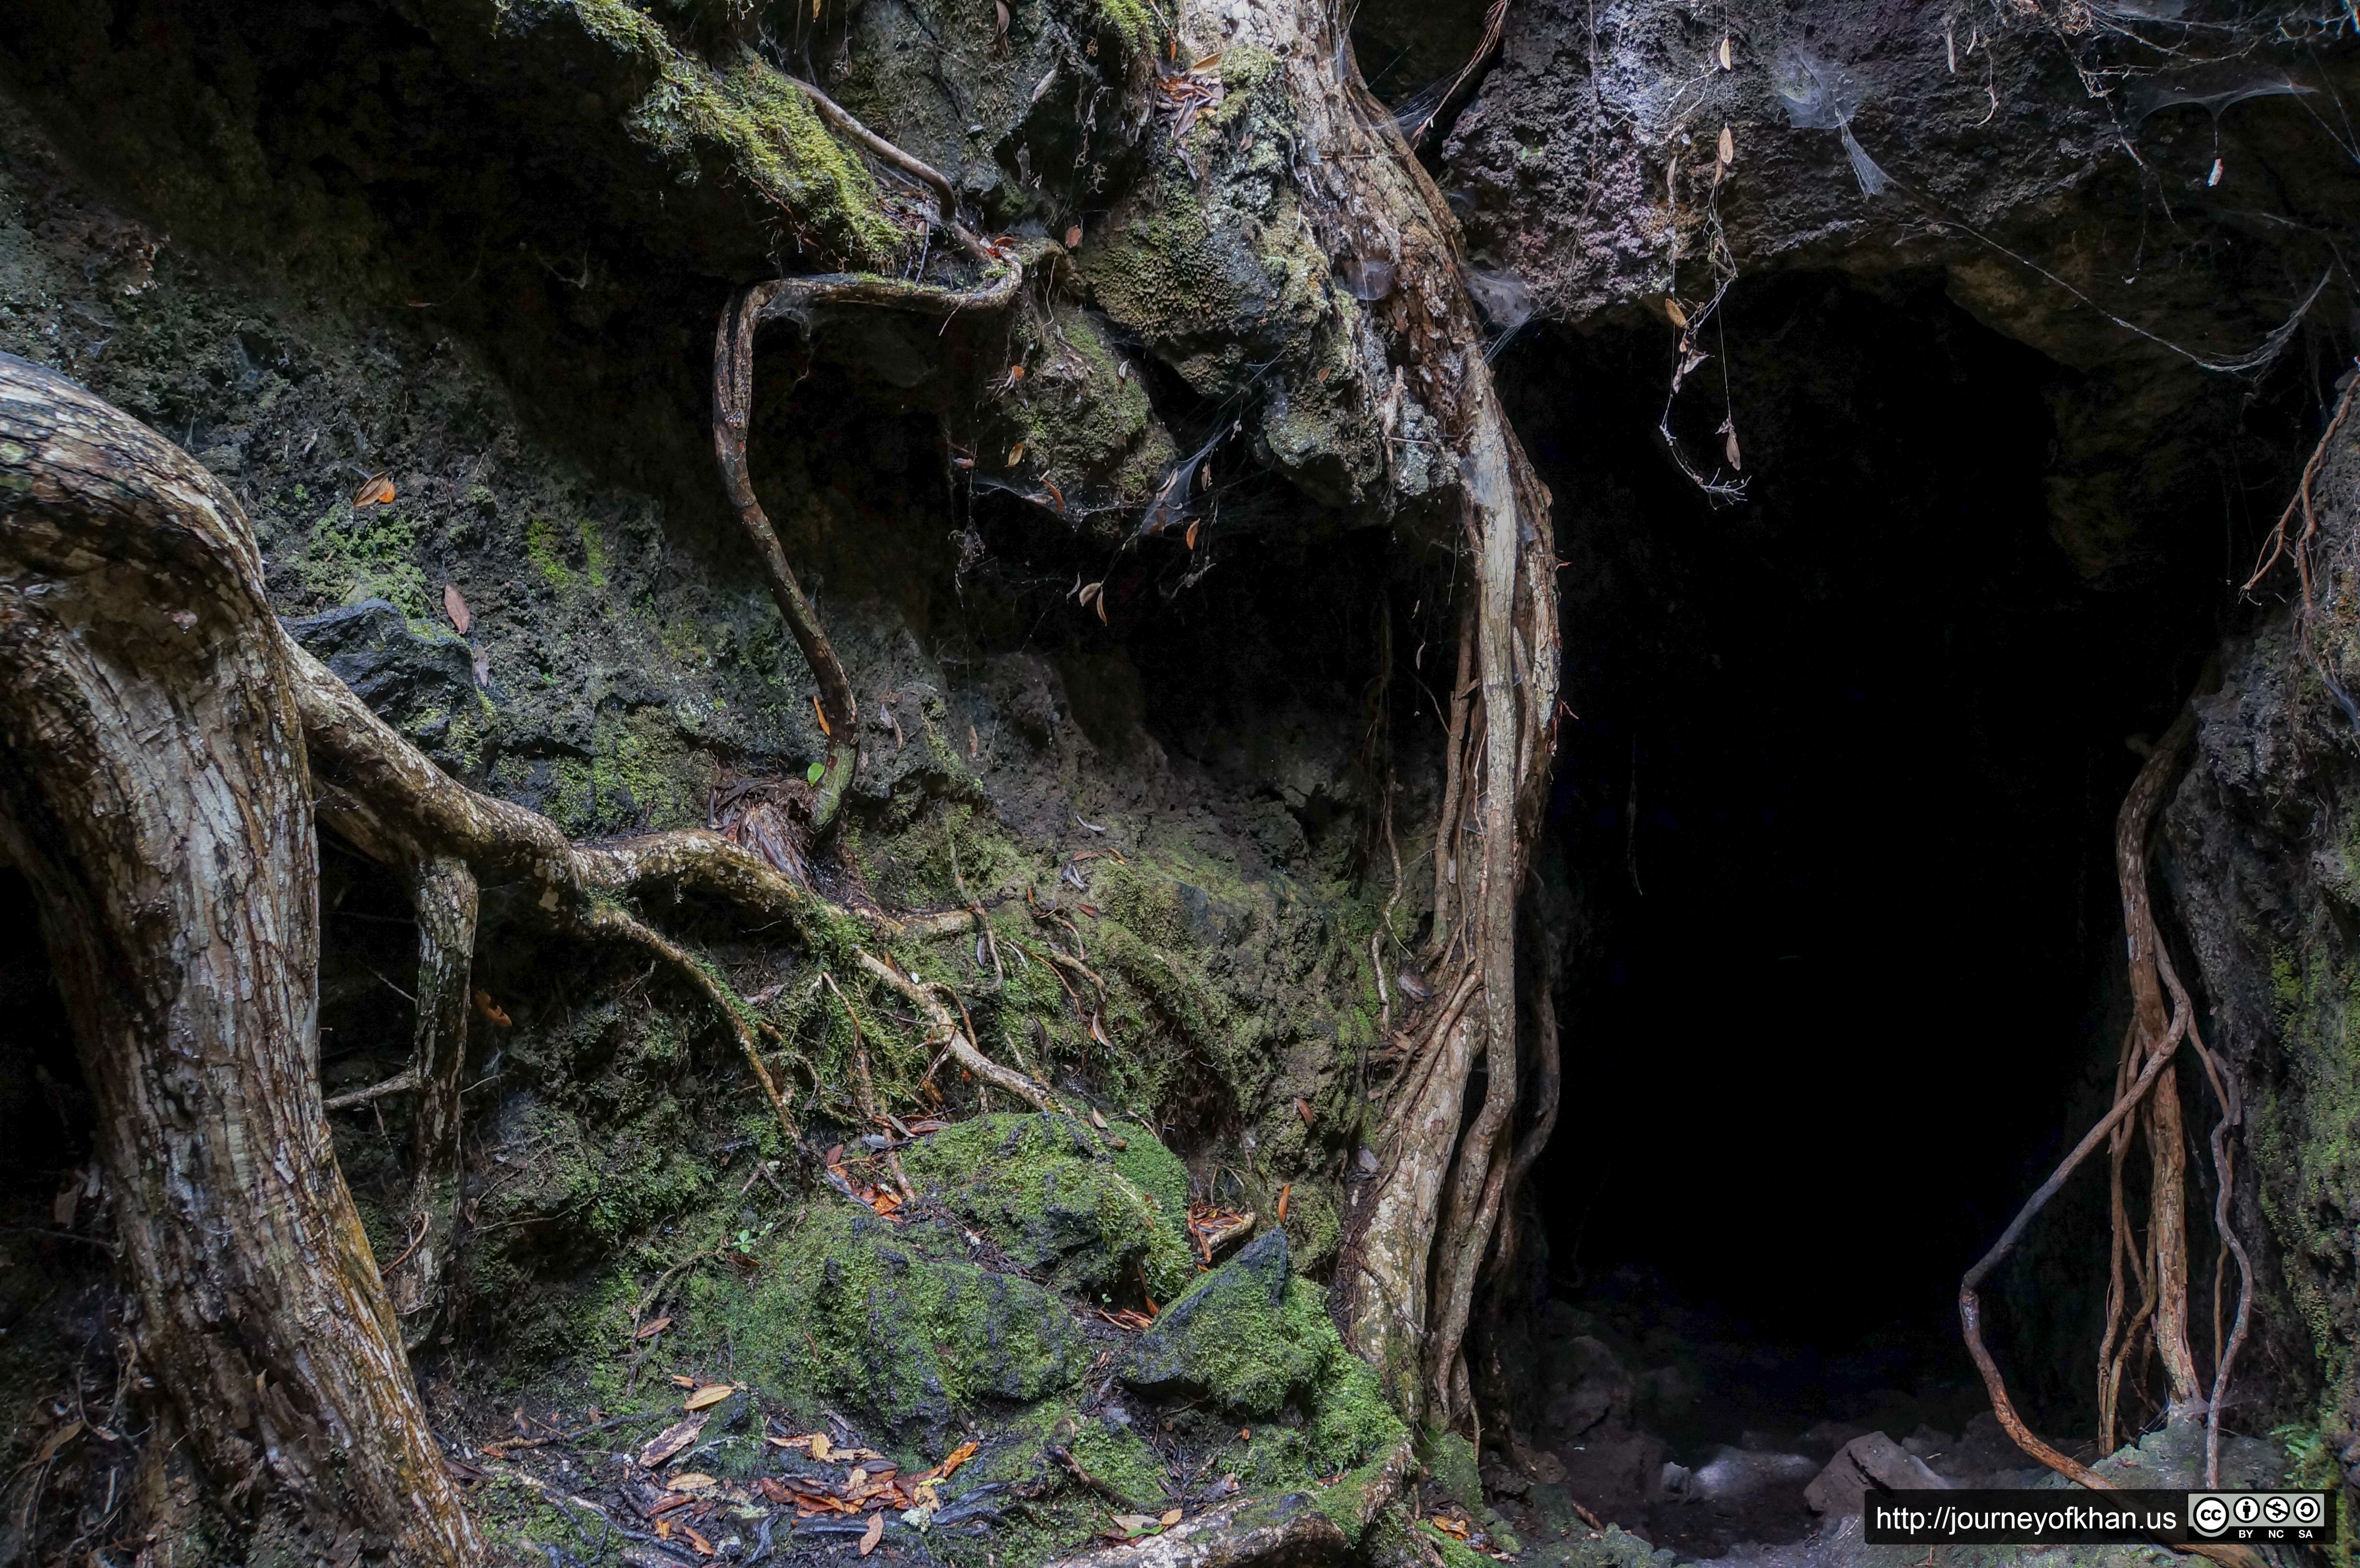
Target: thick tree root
x: 442, y: 892
x: 153, y: 788
x: 1287, y: 1532
x: 947, y: 1032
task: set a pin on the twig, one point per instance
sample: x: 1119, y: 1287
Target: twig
x: 401, y: 1083
x: 868, y: 1088
x: 841, y: 120
x: 947, y: 1032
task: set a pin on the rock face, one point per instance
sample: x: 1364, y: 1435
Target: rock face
x: 2265, y: 876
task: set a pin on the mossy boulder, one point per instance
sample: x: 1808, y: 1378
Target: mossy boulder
x: 896, y: 1322
x: 1087, y: 1211
x: 1256, y: 1338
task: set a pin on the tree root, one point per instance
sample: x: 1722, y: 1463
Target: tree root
x: 946, y: 1031
x: 1286, y: 1532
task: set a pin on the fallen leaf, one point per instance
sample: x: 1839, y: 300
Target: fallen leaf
x: 651, y: 1329
x: 1000, y: 7
x: 1015, y: 454
x: 1303, y: 1109
x: 696, y: 1481
x: 959, y: 1455
x: 834, y: 1155
x: 1191, y: 536
x: 712, y: 1394
x: 483, y: 666
x: 1283, y: 1193
x: 679, y: 1382
x: 490, y: 1009
x: 1134, y: 1523
x: 1728, y: 59
x: 1171, y: 1517
x: 664, y: 1529
x: 374, y: 490
x: 1099, y: 1033
x: 57, y: 1440
x: 1097, y: 1120
x: 876, y: 1530
x: 1728, y: 146
x: 821, y: 1448
x: 704, y: 1547
x: 671, y: 1441
x: 1245, y: 1434
x: 1671, y: 309
x: 1072, y: 236
x: 455, y: 605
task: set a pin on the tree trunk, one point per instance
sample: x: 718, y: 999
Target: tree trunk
x: 155, y: 791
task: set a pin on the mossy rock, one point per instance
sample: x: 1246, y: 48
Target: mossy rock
x: 1450, y: 1459
x: 1063, y: 1201
x: 898, y: 1323
x: 1232, y: 1337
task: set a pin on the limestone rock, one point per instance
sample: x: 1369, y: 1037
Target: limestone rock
x: 1874, y: 1460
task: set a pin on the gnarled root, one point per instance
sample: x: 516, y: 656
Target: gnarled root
x: 948, y: 1032
x: 1286, y: 1532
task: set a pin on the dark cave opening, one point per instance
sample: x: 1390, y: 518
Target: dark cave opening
x: 1836, y: 818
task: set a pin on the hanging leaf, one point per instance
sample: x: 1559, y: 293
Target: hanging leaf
x: 1671, y: 309
x: 1015, y: 454
x: 1728, y: 58
x: 1088, y: 591
x: 1728, y: 146
x: 455, y: 605
x: 1729, y: 448
x: 876, y: 1530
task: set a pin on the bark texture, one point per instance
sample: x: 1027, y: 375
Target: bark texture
x: 154, y: 789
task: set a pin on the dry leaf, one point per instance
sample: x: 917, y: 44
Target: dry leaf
x: 455, y: 605
x: 1171, y: 1517
x: 1671, y: 309
x: 959, y: 1455
x: 1191, y: 536
x: 709, y: 1395
x: 1072, y: 236
x: 671, y: 1441
x: 1245, y: 1434
x: 1097, y: 1032
x: 1102, y: 606
x: 821, y: 1450
x: 374, y: 490
x: 1303, y: 1109
x: 1284, y: 1192
x: 876, y: 1530
x: 57, y: 1440
x: 1728, y: 447
x: 649, y: 1330
x: 664, y: 1529
x: 704, y: 1547
x: 1015, y: 454
x: 679, y: 1382
x: 483, y: 666
x: 695, y: 1481
x: 1097, y: 1120
x: 820, y: 714
x: 1728, y: 146
x: 1728, y: 59
x: 490, y: 1009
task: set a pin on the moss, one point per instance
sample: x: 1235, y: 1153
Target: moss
x: 1450, y: 1459
x: 1061, y: 1201
x: 1115, y: 1455
x: 540, y: 548
x: 1453, y: 1551
x: 1083, y: 417
x: 768, y: 133
x: 895, y: 1320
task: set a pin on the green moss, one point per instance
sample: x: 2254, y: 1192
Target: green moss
x: 540, y: 548
x: 1117, y: 1456
x: 1454, y: 1553
x: 895, y: 1320
x: 1084, y: 417
x: 1450, y: 1458
x: 1061, y: 1201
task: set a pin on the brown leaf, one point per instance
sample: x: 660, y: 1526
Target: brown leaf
x: 1728, y: 146
x: 959, y: 1455
x: 1303, y: 1109
x: 1074, y: 236
x: 664, y: 1529
x: 1283, y: 1194
x: 1191, y: 536
x: 1097, y: 1120
x: 704, y: 1547
x: 374, y: 490
x: 1728, y: 447
x: 820, y: 1448
x: 1000, y: 7
x: 1671, y: 309
x: 696, y: 1481
x: 1171, y: 1517
x: 678, y: 1381
x: 876, y: 1530
x: 490, y: 1009
x: 709, y: 1395
x: 455, y: 605
x: 820, y: 714
x: 1015, y: 454
x: 671, y: 1441
x: 57, y: 1440
x: 1728, y: 58
x: 651, y: 1329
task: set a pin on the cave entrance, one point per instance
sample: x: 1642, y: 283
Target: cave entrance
x: 1835, y: 817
